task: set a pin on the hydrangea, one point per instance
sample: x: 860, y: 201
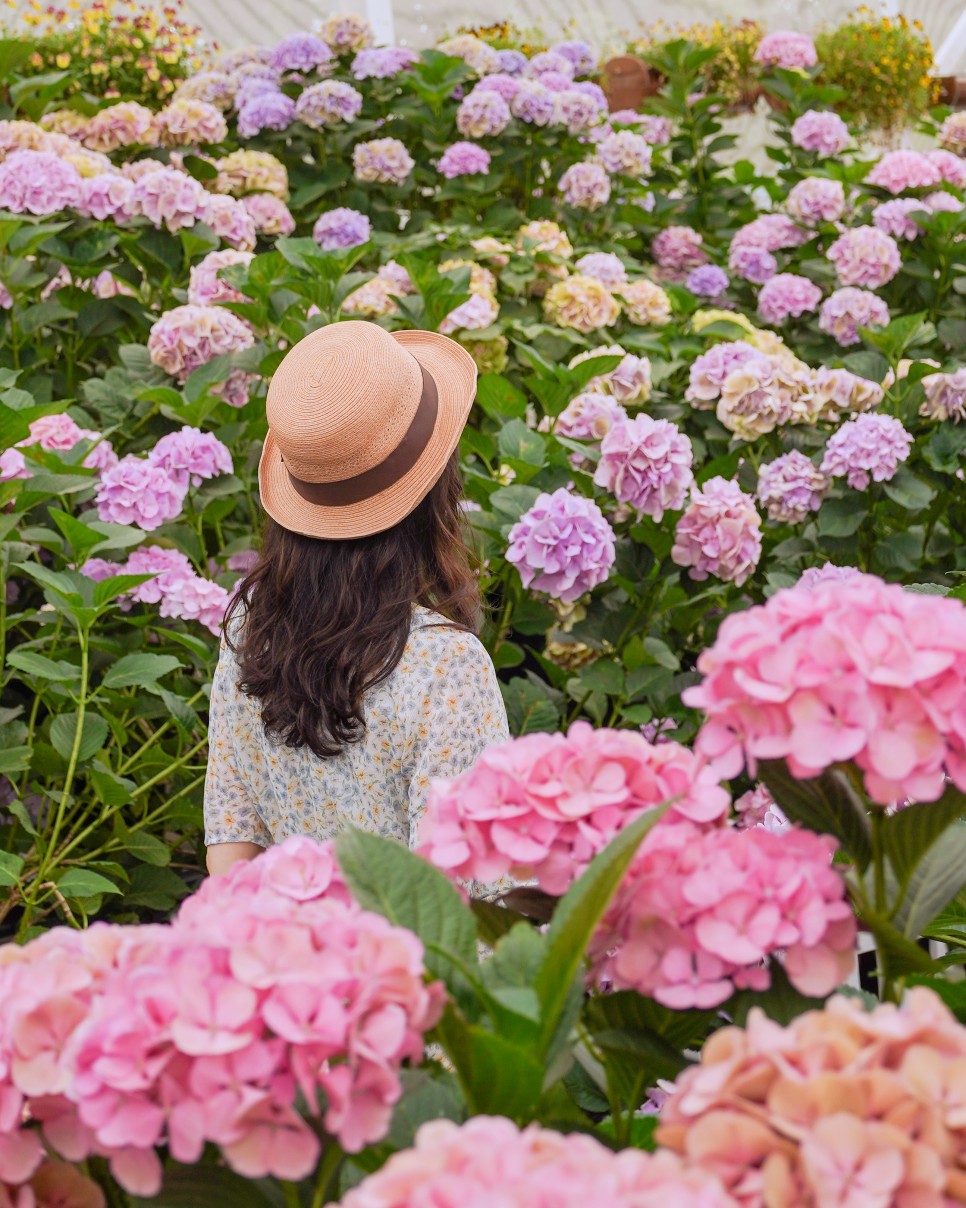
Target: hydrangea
x: 751, y: 253
x: 860, y: 661
x: 589, y: 416
x: 581, y: 303
x: 550, y: 60
x: 188, y: 123
x: 576, y: 109
x: 534, y: 104
x: 230, y: 221
x: 645, y: 304
x: 625, y: 153
x: 192, y: 598
x: 952, y: 168
x: 822, y: 132
x: 372, y: 299
x: 816, y: 199
x: 189, y: 456
x: 56, y: 433
x: 719, y: 533
x: 328, y: 104
x: 482, y: 115
x: 38, y: 182
x: 710, y: 370
x: 107, y: 195
x: 544, y: 236
x: 248, y: 171
x: 464, y: 159
x: 605, y: 267
x: 480, y: 310
x: 865, y: 256
x: 945, y: 396
x: 382, y: 63
x: 474, y: 52
x: 341, y: 228
x: 346, y: 32
x: 269, y: 110
x: 942, y: 202
x: 169, y: 198
x: 952, y: 133
x: 897, y: 171
x: 205, y: 285
x: 707, y: 281
x: 126, y: 124
x: 646, y: 463
x: 757, y: 807
x: 215, y: 87
x: 895, y: 217
x: 837, y: 391
x: 579, y: 54
x: 788, y: 49
x: 786, y: 296
x: 301, y: 52
x: 166, y: 566
x: 13, y: 465
x: 756, y: 397
x: 382, y: 161
x: 542, y: 806
x: 678, y: 249
x: 844, y: 312
x: 512, y: 62
x: 562, y: 545
x: 506, y: 85
x: 137, y: 492
x: 867, y: 448
x: 790, y: 487
x: 270, y: 215
x: 186, y: 337
x: 815, y: 576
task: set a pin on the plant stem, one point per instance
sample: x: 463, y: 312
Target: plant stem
x: 878, y: 859
x: 154, y: 738
x: 328, y: 1169
x: 291, y: 1193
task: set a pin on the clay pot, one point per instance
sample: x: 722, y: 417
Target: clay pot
x: 626, y: 82
x: 952, y: 91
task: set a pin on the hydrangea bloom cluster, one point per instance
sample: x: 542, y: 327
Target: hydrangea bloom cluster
x: 865, y: 256
x: 464, y: 159
x: 589, y: 416
x: 952, y: 133
x: 38, y: 182
x: 585, y: 185
x: 867, y: 448
x: 822, y: 132
x: 189, y: 456
x: 126, y: 124
x: 482, y: 114
x: 751, y: 252
x: 630, y: 381
x: 248, y: 171
x: 869, y: 673
x: 266, y: 109
x: 562, y: 545
x: 302, y: 52
x: 382, y: 62
x: 646, y: 463
x: 757, y: 397
x: 803, y: 1106
x: 645, y: 304
x: 895, y: 217
x: 341, y: 228
x: 534, y: 104
x: 790, y: 487
x: 788, y: 49
x: 327, y: 104
x: 952, y: 168
x: 625, y: 153
x: 490, y: 1160
x: 816, y: 199
x: 678, y: 249
x: 699, y: 912
x: 382, y: 161
x: 169, y: 198
x: 542, y: 806
x: 269, y: 215
x: 107, y: 1033
x: 844, y: 312
x: 188, y: 123
x: 189, y: 336
x: 945, y: 396
x: 607, y: 268
x: 135, y: 491
x: 205, y: 285
x: 707, y: 281
x: 582, y: 303
x: 719, y: 533
x: 346, y: 33
x: 709, y: 371
x: 786, y: 296
x: 898, y: 171
x: 757, y: 807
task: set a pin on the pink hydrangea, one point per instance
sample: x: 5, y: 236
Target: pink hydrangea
x: 230, y: 220
x: 719, y: 533
x: 678, y: 249
x: 107, y: 195
x: 126, y: 124
x: 942, y: 202
x: 951, y: 167
x: 865, y: 256
x: 189, y: 336
x: 382, y: 161
x: 541, y: 807
x: 814, y: 576
x: 788, y: 49
x: 952, y: 133
x: 477, y: 312
x: 328, y: 104
x: 38, y: 182
x: 816, y: 199
x: 848, y: 309
x: 534, y: 104
x: 13, y: 465
x: 785, y: 296
x: 630, y: 382
x: 190, y: 456
x: 897, y: 171
x: 169, y: 198
x: 585, y: 185
x: 562, y: 545
x: 895, y: 217
x: 167, y: 566
x: 490, y: 1161
x: 709, y: 371
x: 137, y: 492
x: 192, y: 598
x: 870, y: 673
x: 820, y: 131
x: 589, y: 416
x: 604, y: 266
x: 56, y: 432
x: 187, y: 122
x: 646, y: 463
x: 790, y: 487
x: 206, y: 287
x: 576, y: 109
x: 625, y: 153
x: 751, y: 253
x: 270, y: 214
x: 945, y: 396
x: 867, y: 448
x: 463, y: 159
x: 382, y: 62
x: 698, y: 915
x: 757, y: 807
x: 482, y: 114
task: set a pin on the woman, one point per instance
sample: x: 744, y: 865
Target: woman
x: 350, y: 675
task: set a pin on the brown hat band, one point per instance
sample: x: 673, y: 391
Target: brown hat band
x: 399, y: 462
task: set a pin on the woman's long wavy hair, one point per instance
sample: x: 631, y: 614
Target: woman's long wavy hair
x: 322, y: 622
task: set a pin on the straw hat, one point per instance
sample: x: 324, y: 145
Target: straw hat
x: 361, y: 424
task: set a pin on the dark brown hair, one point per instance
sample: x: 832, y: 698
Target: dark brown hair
x: 324, y: 621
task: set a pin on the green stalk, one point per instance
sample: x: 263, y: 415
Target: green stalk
x: 328, y: 1169
x: 154, y: 738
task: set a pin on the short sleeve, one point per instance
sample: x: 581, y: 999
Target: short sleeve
x: 462, y: 714
x: 231, y: 814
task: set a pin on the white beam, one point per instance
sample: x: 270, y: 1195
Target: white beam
x: 379, y: 14
x: 949, y: 56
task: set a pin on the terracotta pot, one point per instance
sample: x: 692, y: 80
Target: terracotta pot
x: 952, y: 91
x: 626, y: 82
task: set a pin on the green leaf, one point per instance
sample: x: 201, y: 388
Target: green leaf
x: 842, y: 517
x: 604, y: 675
x: 911, y: 832
x: 529, y: 708
x: 148, y: 848
x: 517, y: 442
x: 42, y: 667
x: 111, y: 788
x: 139, y: 670
x: 82, y: 883
x: 827, y: 804
x: 499, y: 398
x: 898, y: 954
x: 14, y: 759
x: 935, y: 880
x: 204, y: 1185
x: 11, y: 867
x: 498, y: 1077
x: 117, y: 585
x: 93, y: 734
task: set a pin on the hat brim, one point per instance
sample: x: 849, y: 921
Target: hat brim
x: 454, y: 372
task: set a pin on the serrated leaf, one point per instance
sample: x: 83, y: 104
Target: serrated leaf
x: 63, y: 729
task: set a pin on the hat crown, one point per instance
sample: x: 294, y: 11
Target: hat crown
x: 342, y: 400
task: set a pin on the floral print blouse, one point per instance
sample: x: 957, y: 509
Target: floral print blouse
x: 431, y: 717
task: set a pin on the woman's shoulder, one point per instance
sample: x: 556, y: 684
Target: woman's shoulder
x: 435, y: 639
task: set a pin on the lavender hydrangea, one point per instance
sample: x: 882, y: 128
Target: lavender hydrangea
x: 848, y: 309
x: 790, y: 487
x: 709, y: 371
x: 301, y: 52
x: 604, y: 266
x: 341, y: 228
x: 707, y: 281
x: 562, y: 545
x: 895, y: 217
x: 816, y: 199
x: 589, y: 416
x: 265, y: 111
x: 512, y: 62
x: 106, y: 195
x: 169, y: 198
x: 646, y: 463
x: 585, y: 186
x: 865, y: 256
x: 327, y: 104
x: 382, y: 161
x: 270, y: 215
x: 822, y: 132
x: 482, y: 114
x: 785, y: 296
x: 137, y: 492
x: 38, y: 182
x: 870, y: 447
x: 506, y: 85
x: 719, y: 533
x: 576, y: 110
x: 752, y: 262
x: 625, y: 153
x: 534, y: 104
x: 189, y: 456
x: 464, y: 159
x: 382, y: 62
x: 579, y: 54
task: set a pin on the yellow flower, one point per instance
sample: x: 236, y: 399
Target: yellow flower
x: 63, y: 59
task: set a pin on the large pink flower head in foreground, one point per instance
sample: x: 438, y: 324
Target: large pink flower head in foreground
x: 490, y: 1161
x: 544, y: 805
x: 818, y: 1112
x: 719, y: 533
x: 562, y: 545
x: 269, y: 991
x: 698, y: 914
x: 857, y: 671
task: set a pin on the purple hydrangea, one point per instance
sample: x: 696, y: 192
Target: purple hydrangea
x: 646, y: 463
x: 709, y: 370
x: 506, y: 86
x: 167, y: 566
x: 719, y: 533
x: 594, y: 91
x: 816, y: 199
x: 707, y: 281
x: 579, y: 54
x: 549, y: 60
x: 678, y: 249
x: 189, y: 456
x: 562, y: 545
x: 254, y: 86
x: 265, y: 111
x: 895, y: 217
x: 328, y: 104
x: 482, y: 114
x: 512, y: 62
x: 382, y: 161
x: 790, y: 487
x: 848, y: 309
x: 137, y: 492
x: 867, y: 448
x: 752, y: 262
x: 341, y: 228
x: 556, y: 81
x: 604, y: 266
x: 625, y: 153
x: 815, y: 576
x: 38, y: 182
x: 576, y: 110
x: 820, y: 131
x: 586, y: 185
x: 534, y: 104
x: 382, y: 62
x: 785, y: 296
x: 464, y: 159
x: 301, y: 52
x: 865, y: 256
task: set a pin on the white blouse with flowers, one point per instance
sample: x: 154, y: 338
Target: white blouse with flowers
x: 431, y: 717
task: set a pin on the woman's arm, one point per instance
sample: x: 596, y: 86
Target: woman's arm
x: 221, y: 856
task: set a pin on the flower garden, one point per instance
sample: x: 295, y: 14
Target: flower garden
x: 715, y: 485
